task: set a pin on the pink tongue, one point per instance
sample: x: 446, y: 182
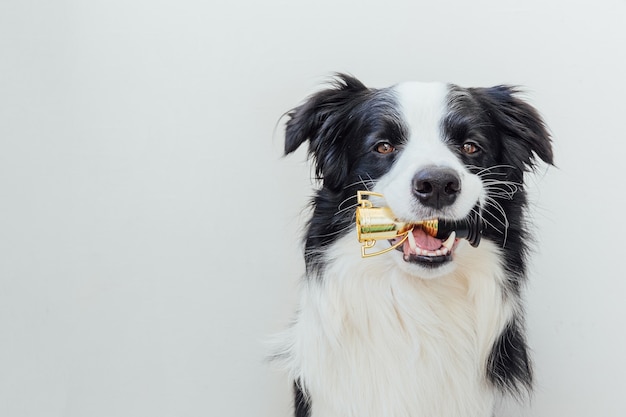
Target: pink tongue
x: 426, y: 241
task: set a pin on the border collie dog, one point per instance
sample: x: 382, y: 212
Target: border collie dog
x: 434, y: 328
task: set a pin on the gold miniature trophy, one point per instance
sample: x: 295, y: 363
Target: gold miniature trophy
x: 379, y: 223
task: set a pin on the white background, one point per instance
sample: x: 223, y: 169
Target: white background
x: 150, y: 227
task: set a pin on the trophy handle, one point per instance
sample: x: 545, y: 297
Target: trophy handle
x: 370, y: 244
x: 364, y: 202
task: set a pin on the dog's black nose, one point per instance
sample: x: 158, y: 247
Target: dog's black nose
x: 436, y: 187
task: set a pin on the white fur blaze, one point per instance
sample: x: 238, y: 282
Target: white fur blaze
x: 422, y: 106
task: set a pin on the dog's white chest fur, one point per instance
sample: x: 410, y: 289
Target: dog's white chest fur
x: 371, y: 340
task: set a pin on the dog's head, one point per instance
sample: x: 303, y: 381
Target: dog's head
x: 433, y: 150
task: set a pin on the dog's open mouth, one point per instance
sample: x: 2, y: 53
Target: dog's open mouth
x: 423, y: 249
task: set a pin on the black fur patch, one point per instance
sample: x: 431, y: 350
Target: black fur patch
x: 302, y: 407
x: 343, y: 124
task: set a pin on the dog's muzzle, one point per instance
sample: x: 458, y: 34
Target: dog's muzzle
x: 428, y: 240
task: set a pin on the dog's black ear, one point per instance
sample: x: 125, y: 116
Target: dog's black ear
x: 524, y: 133
x: 319, y: 120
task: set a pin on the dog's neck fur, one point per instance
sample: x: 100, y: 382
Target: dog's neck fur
x: 367, y: 323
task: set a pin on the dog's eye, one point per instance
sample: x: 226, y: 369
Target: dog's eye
x: 384, y: 148
x: 470, y: 148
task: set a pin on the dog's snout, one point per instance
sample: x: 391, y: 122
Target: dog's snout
x: 436, y: 187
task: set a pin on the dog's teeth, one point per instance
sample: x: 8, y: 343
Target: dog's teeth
x: 412, y: 242
x: 450, y: 241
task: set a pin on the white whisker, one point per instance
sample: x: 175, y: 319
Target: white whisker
x: 350, y: 207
